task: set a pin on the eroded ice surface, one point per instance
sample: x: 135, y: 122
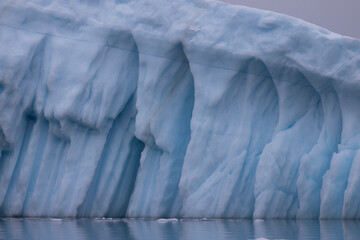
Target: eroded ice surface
x: 175, y: 109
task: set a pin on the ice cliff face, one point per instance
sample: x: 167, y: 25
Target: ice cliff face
x: 175, y: 109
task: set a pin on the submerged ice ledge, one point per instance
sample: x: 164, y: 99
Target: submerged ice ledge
x: 185, y: 109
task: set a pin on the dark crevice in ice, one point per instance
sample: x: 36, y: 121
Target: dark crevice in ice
x: 2, y: 88
x: 30, y: 122
x: 125, y: 186
x: 37, y: 159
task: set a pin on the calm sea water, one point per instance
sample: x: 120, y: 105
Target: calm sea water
x: 185, y: 229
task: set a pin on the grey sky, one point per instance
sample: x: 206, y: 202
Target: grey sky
x: 340, y: 16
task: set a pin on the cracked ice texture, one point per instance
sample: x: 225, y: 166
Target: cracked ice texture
x: 175, y: 109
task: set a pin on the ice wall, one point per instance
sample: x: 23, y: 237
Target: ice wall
x: 175, y: 109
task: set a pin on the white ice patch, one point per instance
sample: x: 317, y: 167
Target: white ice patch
x: 167, y: 220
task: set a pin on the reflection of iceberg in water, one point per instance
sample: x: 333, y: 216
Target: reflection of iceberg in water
x: 143, y: 229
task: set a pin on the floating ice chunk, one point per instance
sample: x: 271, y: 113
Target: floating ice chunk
x: 167, y: 220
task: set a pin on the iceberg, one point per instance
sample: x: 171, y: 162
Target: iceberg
x: 175, y: 109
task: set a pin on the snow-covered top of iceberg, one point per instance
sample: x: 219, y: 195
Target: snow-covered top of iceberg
x: 209, y: 27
